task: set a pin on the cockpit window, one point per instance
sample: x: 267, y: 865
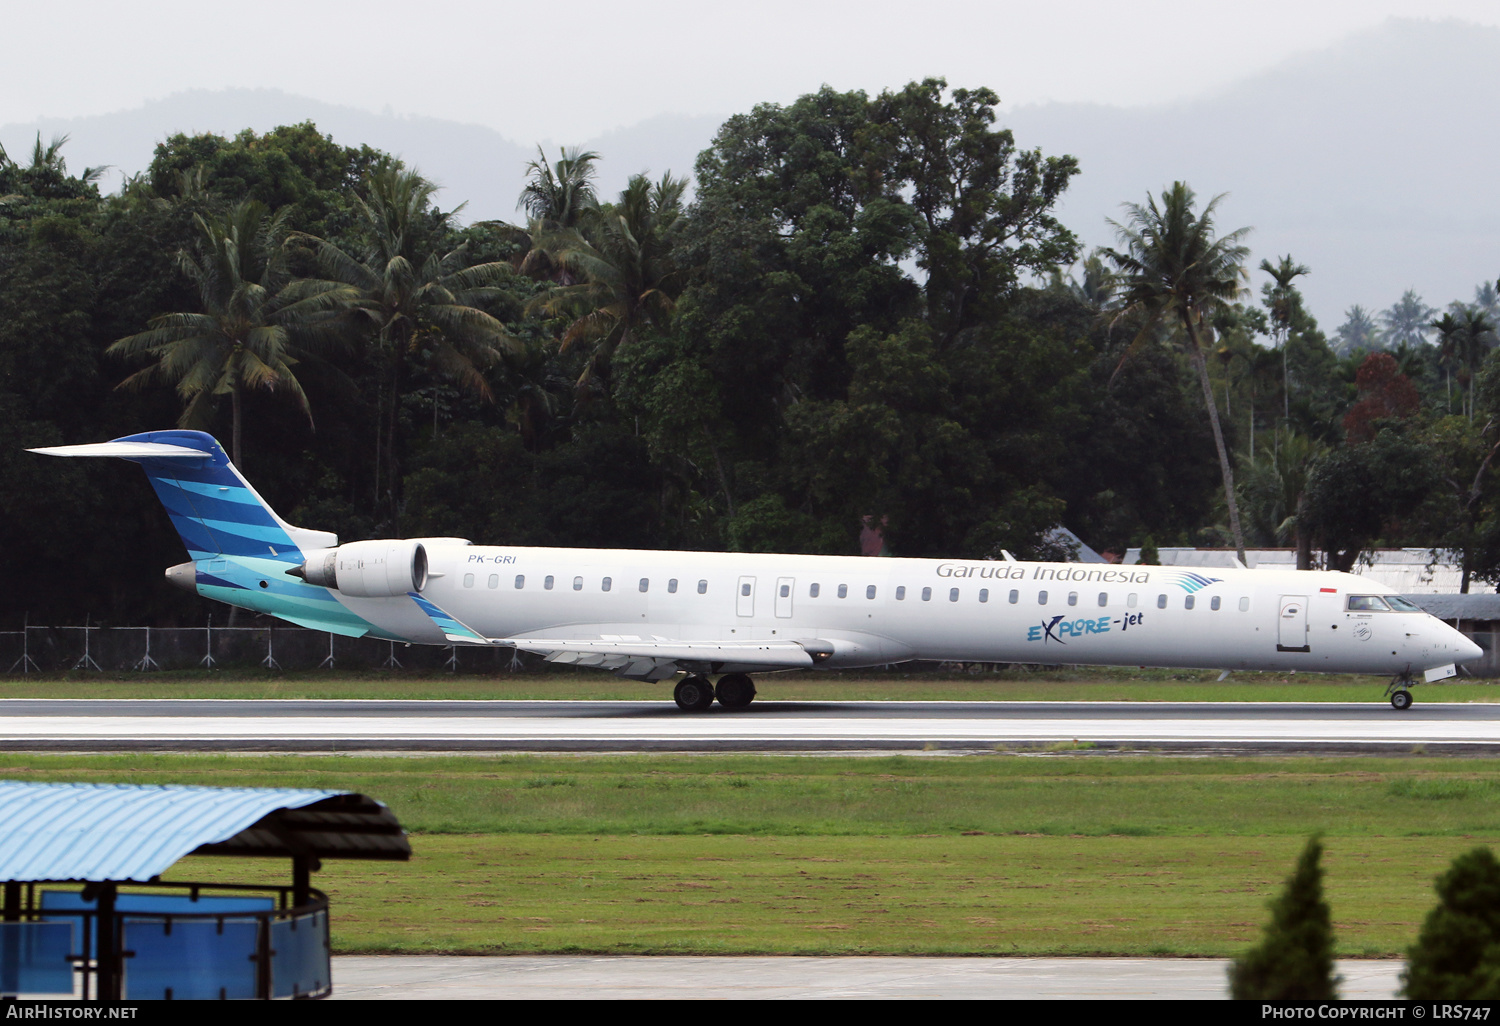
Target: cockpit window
x: 1368, y: 602
x: 1401, y: 605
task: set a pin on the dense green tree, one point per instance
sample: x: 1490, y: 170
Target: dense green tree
x: 1174, y: 269
x: 1457, y: 954
x: 1357, y: 493
x: 1294, y: 961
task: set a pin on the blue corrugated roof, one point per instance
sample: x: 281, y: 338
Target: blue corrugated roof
x: 123, y: 831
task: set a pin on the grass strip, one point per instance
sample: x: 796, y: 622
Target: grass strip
x: 949, y: 895
x: 1049, y: 795
x: 987, y: 854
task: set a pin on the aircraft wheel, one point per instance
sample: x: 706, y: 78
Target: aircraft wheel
x: 1401, y: 700
x: 735, y: 690
x: 693, y: 694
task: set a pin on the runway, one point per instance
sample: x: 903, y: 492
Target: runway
x: 438, y: 726
x: 658, y: 977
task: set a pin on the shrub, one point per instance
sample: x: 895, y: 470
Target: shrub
x: 1457, y: 954
x: 1294, y: 962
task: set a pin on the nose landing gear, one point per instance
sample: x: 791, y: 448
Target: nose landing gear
x: 1398, y: 690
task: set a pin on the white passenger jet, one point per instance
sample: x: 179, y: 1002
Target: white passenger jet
x: 651, y: 615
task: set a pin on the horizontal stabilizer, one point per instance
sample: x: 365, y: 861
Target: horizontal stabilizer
x: 126, y: 451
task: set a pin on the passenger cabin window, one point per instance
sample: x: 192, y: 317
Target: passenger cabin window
x: 1072, y: 598
x: 1213, y: 603
x: 1244, y: 603
x: 494, y: 581
x: 702, y: 587
x: 1130, y: 600
x: 520, y: 581
x: 672, y: 586
x: 901, y: 593
x: 745, y: 589
x: 547, y: 582
x: 984, y: 594
x: 1041, y: 598
x: 843, y: 591
x: 645, y: 584
x: 1161, y: 602
x: 605, y: 584
x: 1368, y: 603
x: 1187, y: 603
x: 952, y: 594
x: 1015, y: 596
x: 926, y: 594
x: 786, y: 591
x: 870, y: 592
x: 468, y: 580
x: 812, y: 591
x: 1104, y: 598
x: 578, y: 584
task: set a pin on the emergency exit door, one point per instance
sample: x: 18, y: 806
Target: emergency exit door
x: 785, y: 588
x: 744, y: 599
x: 1291, y: 627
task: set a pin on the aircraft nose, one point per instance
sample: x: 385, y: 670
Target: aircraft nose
x: 1468, y: 651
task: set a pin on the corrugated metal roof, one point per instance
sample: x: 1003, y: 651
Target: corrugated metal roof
x: 123, y: 831
x: 1459, y: 607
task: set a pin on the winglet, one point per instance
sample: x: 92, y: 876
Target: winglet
x: 453, y: 629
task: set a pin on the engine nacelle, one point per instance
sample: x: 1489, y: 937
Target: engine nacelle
x: 368, y: 569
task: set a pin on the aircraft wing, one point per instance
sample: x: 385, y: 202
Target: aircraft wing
x: 642, y: 658
x: 602, y: 652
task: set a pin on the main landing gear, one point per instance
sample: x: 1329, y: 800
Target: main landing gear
x: 694, y: 693
x: 1399, y: 691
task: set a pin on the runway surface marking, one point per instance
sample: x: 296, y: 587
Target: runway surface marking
x: 391, y: 724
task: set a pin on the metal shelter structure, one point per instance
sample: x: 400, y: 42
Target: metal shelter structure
x: 86, y: 913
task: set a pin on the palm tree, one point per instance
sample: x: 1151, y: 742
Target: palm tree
x: 622, y: 260
x: 253, y: 325
x: 1449, y: 330
x: 1173, y: 268
x: 408, y: 298
x: 1408, y: 321
x: 557, y: 199
x: 1281, y: 301
x: 1359, y: 332
x: 1476, y: 336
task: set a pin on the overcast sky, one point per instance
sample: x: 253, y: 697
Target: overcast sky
x: 567, y: 72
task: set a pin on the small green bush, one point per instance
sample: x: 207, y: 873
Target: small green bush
x: 1294, y: 962
x: 1457, y: 954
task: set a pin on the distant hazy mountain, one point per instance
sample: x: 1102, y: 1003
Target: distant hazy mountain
x: 473, y: 163
x: 1372, y: 161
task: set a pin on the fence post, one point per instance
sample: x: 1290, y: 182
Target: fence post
x: 146, y: 662
x: 452, y: 661
x: 26, y: 663
x: 269, y: 662
x: 328, y: 661
x: 391, y: 662
x: 87, y: 662
x: 208, y: 659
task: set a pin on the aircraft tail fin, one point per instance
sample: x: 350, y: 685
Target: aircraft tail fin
x: 215, y: 510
